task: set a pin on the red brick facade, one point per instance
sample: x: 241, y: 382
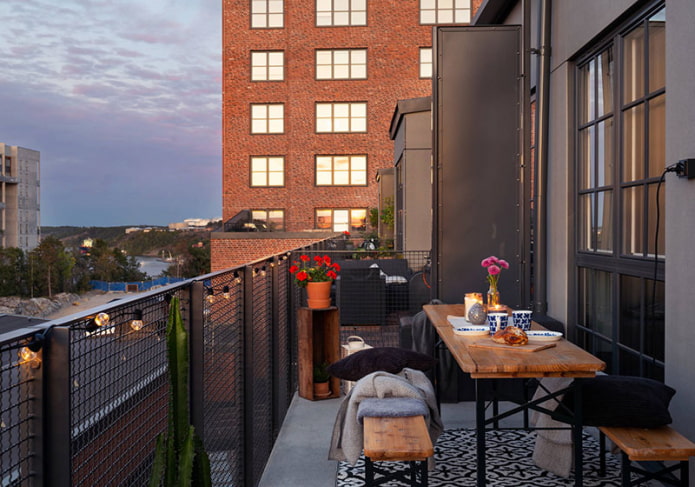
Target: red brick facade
x: 393, y: 38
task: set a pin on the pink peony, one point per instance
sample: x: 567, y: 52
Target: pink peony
x: 493, y: 270
x: 503, y: 264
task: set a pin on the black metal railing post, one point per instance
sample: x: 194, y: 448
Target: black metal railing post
x: 57, y: 450
x: 196, y: 332
x: 247, y: 361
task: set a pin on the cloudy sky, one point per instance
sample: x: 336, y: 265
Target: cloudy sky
x: 122, y: 98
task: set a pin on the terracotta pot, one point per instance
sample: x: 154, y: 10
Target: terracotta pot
x: 318, y: 294
x: 321, y: 389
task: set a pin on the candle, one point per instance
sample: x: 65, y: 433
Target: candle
x: 471, y: 299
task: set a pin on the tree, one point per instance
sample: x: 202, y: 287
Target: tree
x: 13, y: 268
x: 50, y: 267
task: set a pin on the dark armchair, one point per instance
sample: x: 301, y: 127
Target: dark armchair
x: 361, y: 296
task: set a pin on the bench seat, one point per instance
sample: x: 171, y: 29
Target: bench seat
x: 662, y: 444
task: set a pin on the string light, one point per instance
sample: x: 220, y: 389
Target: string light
x: 225, y: 292
x: 136, y: 323
x: 210, y: 298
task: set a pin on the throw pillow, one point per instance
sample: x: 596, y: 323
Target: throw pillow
x: 388, y: 359
x: 614, y: 400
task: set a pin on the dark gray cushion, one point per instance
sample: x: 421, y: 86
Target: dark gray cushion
x: 387, y: 359
x: 614, y: 400
x: 392, y: 407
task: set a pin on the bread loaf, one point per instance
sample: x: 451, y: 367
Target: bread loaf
x: 511, y: 335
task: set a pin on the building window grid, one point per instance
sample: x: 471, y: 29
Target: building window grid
x: 336, y: 13
x: 267, y: 65
x: 624, y: 323
x: 340, y: 64
x: 267, y: 14
x: 445, y: 12
x: 341, y: 170
x: 343, y: 117
x: 426, y: 65
x: 341, y: 219
x: 267, y: 118
x: 273, y: 217
x: 267, y: 171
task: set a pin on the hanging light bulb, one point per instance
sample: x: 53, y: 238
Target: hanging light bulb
x: 210, y: 298
x: 26, y: 355
x: 225, y: 292
x: 102, y: 319
x: 136, y: 323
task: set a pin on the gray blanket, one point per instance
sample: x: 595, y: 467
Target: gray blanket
x: 346, y: 443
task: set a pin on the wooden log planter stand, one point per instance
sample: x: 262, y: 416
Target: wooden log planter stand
x: 658, y: 445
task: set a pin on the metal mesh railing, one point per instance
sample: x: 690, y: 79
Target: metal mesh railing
x: 18, y: 385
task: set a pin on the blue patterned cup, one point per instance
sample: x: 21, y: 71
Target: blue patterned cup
x: 522, y: 319
x: 497, y: 321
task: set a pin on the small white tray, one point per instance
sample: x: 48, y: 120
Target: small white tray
x: 458, y: 321
x: 543, y: 336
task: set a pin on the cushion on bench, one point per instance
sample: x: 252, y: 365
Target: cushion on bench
x: 387, y: 359
x: 614, y: 400
x: 391, y: 407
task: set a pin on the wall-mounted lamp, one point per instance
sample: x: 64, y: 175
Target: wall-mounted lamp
x: 136, y: 323
x: 225, y: 292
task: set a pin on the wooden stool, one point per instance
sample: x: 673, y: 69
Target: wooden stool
x: 649, y: 445
x: 399, y: 439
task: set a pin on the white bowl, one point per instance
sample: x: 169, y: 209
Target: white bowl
x: 472, y: 330
x: 543, y: 335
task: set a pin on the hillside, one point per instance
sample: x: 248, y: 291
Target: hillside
x: 152, y: 243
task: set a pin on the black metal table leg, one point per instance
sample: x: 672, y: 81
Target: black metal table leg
x: 577, y: 437
x: 480, y: 432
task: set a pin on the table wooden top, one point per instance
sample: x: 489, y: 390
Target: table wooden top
x: 565, y: 359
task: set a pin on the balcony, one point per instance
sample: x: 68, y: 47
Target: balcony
x: 87, y: 409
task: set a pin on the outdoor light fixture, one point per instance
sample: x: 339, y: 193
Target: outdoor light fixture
x: 29, y: 354
x: 210, y: 298
x: 136, y: 323
x: 225, y: 292
x: 237, y: 278
x: 100, y: 320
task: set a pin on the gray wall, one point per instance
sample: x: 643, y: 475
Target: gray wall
x: 680, y: 213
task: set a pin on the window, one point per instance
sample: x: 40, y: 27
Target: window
x: 267, y: 118
x: 341, y: 12
x: 266, y: 14
x: 8, y: 166
x: 274, y: 219
x: 341, y: 117
x: 445, y: 11
x: 620, y: 157
x: 341, y: 220
x: 425, y: 62
x: 267, y: 171
x: 267, y: 66
x: 341, y: 64
x: 341, y: 170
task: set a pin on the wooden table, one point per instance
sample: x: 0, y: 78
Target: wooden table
x: 563, y: 360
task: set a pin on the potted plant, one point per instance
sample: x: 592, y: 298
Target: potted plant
x: 316, y: 275
x: 321, y: 380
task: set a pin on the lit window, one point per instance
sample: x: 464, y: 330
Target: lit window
x: 425, y: 62
x: 266, y: 14
x: 341, y: 117
x: 274, y: 219
x: 267, y: 118
x: 341, y: 12
x: 267, y: 171
x: 341, y: 64
x: 267, y: 66
x: 341, y: 170
x: 341, y: 220
x: 445, y: 11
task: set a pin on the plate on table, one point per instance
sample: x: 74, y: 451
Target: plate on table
x: 472, y: 330
x: 457, y: 321
x: 543, y: 336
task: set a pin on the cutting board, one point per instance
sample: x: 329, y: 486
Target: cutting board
x: 529, y: 347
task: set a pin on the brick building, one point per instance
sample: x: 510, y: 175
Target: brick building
x: 309, y: 89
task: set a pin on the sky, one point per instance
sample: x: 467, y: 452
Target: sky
x: 122, y: 98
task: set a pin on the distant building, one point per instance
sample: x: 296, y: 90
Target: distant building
x: 19, y: 197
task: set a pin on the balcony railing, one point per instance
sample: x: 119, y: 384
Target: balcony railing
x: 87, y: 410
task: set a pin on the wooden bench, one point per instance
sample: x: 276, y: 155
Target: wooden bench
x: 398, y: 439
x: 663, y: 444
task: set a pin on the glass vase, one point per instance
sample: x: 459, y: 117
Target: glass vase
x: 493, y: 297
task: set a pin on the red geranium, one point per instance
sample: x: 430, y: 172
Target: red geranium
x: 322, y: 270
